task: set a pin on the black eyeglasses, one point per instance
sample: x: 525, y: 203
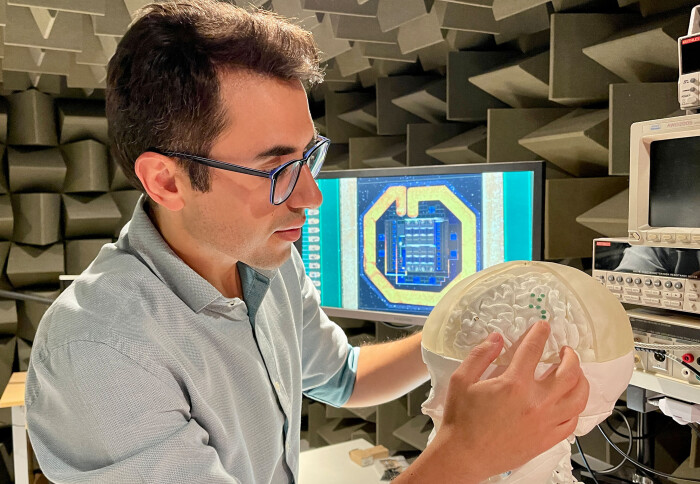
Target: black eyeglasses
x: 283, y: 179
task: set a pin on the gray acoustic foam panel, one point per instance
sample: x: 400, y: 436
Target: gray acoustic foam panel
x: 461, y: 40
x: 577, y: 143
x: 651, y: 7
x: 3, y: 123
x: 90, y: 217
x: 468, y: 147
x: 81, y: 119
x: 337, y: 158
x: 373, y: 147
x: 564, y: 237
x: 117, y: 179
x: 428, y: 102
x: 338, y: 103
x: 415, y: 432
x: 36, y: 170
x: 391, y: 119
x: 3, y: 177
x: 386, y: 52
x: 31, y: 120
x: 80, y: 253
x: 87, y: 167
x: 630, y: 103
x: 24, y: 351
x: 364, y: 29
x: 423, y: 136
x: 434, y: 57
x: 6, y: 218
x: 391, y: 156
x: 364, y: 117
x: 478, y: 19
x: 326, y: 40
x: 465, y: 101
x: 29, y: 313
x: 293, y: 10
x: 59, y: 30
x: 575, y: 78
x: 420, y: 33
x: 368, y: 9
x: 126, y: 202
x: 8, y: 317
x: 34, y: 266
x: 335, y: 81
x: 646, y: 53
x: 507, y: 126
x: 395, y: 13
x: 352, y: 61
x: 507, y: 8
x: 37, y: 218
x: 610, y: 217
x: 7, y: 357
x: 115, y: 20
x: 520, y: 84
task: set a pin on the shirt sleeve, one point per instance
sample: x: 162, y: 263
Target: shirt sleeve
x: 329, y: 363
x: 95, y: 415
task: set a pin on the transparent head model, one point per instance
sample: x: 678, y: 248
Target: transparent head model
x: 509, y: 298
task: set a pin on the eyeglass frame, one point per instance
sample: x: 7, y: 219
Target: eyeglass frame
x: 271, y: 175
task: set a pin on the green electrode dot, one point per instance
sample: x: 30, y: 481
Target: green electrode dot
x: 531, y: 306
x: 532, y: 295
x: 538, y: 307
x: 544, y: 317
x: 543, y: 311
x: 539, y: 299
x: 541, y: 295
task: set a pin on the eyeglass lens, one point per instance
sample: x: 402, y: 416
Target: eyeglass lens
x: 287, y: 178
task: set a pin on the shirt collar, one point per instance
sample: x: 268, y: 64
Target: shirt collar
x: 141, y: 238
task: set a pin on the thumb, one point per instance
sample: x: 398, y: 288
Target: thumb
x: 479, y: 359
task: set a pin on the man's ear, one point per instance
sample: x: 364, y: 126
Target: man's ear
x: 161, y: 177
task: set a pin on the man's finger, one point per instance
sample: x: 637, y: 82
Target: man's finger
x: 529, y: 353
x: 479, y: 359
x: 564, y: 376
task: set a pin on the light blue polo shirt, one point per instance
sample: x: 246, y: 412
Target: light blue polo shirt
x: 141, y: 371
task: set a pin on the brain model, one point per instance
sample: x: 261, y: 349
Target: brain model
x: 509, y: 298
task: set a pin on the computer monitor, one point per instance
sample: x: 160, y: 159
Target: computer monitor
x: 387, y: 244
x: 664, y: 204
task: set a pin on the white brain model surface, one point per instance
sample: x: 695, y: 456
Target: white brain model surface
x: 510, y: 304
x: 509, y: 298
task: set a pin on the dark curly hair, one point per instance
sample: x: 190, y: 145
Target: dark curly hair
x: 163, y: 81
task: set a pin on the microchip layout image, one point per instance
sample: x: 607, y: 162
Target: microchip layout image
x: 418, y: 241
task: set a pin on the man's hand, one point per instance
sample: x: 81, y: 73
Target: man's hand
x: 496, y: 425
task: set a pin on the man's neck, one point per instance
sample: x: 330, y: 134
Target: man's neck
x: 218, y: 269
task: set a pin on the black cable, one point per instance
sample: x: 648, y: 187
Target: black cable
x: 585, y: 461
x: 620, y: 434
x: 639, y: 465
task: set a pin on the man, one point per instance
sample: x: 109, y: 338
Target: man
x: 181, y: 353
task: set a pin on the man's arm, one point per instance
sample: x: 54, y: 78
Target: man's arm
x: 387, y: 371
x: 96, y: 415
x: 497, y: 425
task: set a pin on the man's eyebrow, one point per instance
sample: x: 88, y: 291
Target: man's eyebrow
x: 283, y: 150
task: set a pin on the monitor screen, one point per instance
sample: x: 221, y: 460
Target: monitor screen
x: 674, y: 182
x: 394, y: 241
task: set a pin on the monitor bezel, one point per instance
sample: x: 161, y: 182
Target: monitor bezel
x: 538, y: 193
x: 642, y: 134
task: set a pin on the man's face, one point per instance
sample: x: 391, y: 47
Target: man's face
x: 268, y: 124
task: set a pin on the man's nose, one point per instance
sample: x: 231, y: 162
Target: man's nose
x: 306, y: 193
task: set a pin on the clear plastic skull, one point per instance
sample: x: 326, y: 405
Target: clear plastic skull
x: 509, y: 298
